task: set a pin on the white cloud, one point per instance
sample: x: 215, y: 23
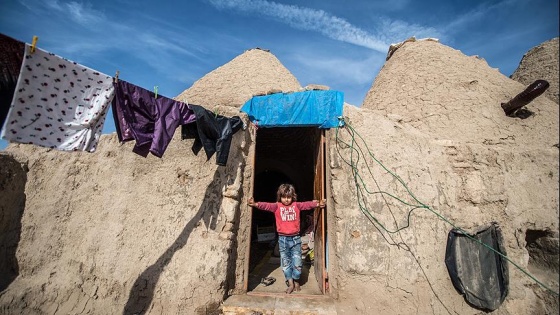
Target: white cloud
x: 477, y: 14
x: 307, y: 19
x: 329, y: 25
x: 397, y: 31
x: 81, y: 13
x: 53, y: 4
x: 156, y: 45
x: 348, y: 71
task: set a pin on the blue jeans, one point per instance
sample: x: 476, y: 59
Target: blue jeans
x: 290, y: 256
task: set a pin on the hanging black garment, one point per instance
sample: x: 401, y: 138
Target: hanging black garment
x: 211, y: 132
x: 11, y: 58
x: 475, y: 270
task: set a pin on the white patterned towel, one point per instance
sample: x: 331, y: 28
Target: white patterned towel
x: 58, y: 103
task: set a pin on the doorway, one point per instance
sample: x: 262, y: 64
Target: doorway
x: 293, y: 155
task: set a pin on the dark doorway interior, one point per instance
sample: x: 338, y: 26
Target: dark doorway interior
x: 282, y: 155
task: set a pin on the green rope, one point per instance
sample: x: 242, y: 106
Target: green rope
x: 361, y: 187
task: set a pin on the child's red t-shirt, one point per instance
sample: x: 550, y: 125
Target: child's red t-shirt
x: 287, y: 217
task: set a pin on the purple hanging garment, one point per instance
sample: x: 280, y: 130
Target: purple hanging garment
x: 149, y: 121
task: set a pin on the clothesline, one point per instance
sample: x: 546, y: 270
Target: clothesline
x: 60, y: 104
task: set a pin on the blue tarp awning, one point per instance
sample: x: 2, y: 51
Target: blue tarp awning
x: 299, y: 109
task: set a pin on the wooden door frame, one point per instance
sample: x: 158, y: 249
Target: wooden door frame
x: 253, y: 154
x: 319, y: 191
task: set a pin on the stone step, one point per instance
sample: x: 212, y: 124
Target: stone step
x: 294, y: 304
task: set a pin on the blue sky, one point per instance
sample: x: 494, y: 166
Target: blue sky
x: 341, y: 44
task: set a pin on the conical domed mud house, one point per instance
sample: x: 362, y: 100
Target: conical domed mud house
x: 428, y: 158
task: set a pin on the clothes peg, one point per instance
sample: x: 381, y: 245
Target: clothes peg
x: 155, y: 90
x: 117, y: 76
x: 33, y: 44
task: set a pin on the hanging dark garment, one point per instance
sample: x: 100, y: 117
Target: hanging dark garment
x: 148, y: 120
x: 11, y: 57
x: 476, y: 271
x: 211, y: 132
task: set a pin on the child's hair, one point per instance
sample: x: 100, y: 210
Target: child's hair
x: 286, y: 190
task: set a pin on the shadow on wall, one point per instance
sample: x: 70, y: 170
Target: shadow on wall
x: 142, y: 292
x: 13, y: 176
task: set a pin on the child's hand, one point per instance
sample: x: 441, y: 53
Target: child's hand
x: 251, y: 202
x: 321, y: 203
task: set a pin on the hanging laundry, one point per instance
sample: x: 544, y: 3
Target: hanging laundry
x: 300, y: 109
x: 58, y: 103
x: 213, y: 132
x: 11, y: 57
x: 148, y: 120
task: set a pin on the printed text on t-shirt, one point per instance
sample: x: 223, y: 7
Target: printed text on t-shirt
x: 288, y: 213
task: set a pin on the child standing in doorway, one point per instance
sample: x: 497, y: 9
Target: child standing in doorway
x: 286, y: 211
